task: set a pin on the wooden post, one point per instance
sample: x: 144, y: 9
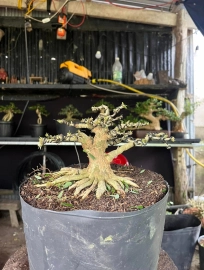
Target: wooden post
x: 180, y: 172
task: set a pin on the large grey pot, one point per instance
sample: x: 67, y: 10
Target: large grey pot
x: 91, y: 240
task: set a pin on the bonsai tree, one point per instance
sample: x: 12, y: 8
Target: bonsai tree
x: 70, y: 112
x: 40, y: 110
x: 98, y: 175
x: 152, y: 111
x: 9, y: 111
x: 102, y: 102
x: 189, y: 109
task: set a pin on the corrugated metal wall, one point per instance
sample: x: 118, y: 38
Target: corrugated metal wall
x: 148, y: 50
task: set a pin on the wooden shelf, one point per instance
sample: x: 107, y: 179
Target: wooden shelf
x: 37, y: 91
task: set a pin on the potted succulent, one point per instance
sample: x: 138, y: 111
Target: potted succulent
x: 6, y: 124
x: 38, y: 129
x: 150, y: 113
x: 96, y: 215
x: 72, y: 116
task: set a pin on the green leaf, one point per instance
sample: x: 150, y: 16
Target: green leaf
x: 60, y: 194
x: 148, y: 183
x: 135, y: 191
x: 116, y: 196
x: 142, y: 171
x: 67, y: 204
x: 67, y: 184
x: 38, y: 177
x: 126, y: 185
x: 91, y: 156
x: 108, y: 187
x: 139, y: 207
x: 37, y: 196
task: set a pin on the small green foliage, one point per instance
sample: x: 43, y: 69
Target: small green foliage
x: 108, y: 187
x: 142, y: 171
x: 101, y: 102
x: 67, y: 204
x: 9, y: 111
x: 37, y: 177
x: 139, y: 207
x: 40, y: 108
x: 60, y: 194
x: 91, y: 156
x: 66, y: 185
x: 134, y: 191
x: 70, y: 112
x: 37, y: 196
x: 149, y: 182
x: 115, y: 196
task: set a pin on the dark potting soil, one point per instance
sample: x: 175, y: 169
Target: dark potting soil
x: 19, y: 261
x: 152, y: 188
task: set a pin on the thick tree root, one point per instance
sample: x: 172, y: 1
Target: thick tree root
x: 83, y: 181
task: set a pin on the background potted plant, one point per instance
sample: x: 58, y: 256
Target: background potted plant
x: 152, y: 111
x: 72, y: 116
x: 178, y: 130
x: 38, y: 129
x: 96, y: 215
x: 6, y: 124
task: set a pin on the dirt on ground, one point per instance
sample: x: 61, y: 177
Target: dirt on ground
x: 10, y: 238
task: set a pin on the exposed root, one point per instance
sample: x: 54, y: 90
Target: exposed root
x: 81, y: 187
x: 86, y: 192
x: 84, y: 183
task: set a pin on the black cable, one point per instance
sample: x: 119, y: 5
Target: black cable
x: 26, y: 52
x: 27, y: 102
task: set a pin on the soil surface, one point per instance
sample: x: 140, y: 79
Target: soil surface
x: 152, y: 188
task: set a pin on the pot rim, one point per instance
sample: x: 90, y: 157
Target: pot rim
x: 99, y: 214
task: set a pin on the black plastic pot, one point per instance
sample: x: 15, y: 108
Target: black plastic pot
x: 38, y: 130
x: 6, y: 129
x: 91, y: 240
x: 180, y: 237
x: 64, y: 129
x: 201, y: 251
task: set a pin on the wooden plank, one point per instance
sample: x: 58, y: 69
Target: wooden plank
x: 111, y: 12
x: 180, y: 172
x: 9, y: 204
x: 14, y: 218
x: 116, y: 13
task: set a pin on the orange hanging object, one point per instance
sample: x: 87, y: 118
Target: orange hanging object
x: 61, y: 31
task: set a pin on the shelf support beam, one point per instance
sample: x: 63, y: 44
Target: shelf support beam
x: 180, y: 172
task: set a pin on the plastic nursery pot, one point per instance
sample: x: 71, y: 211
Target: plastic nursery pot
x: 64, y: 129
x: 180, y: 237
x: 201, y: 251
x: 6, y: 129
x: 92, y: 240
x: 38, y: 130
